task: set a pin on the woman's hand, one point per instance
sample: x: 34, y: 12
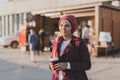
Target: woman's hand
x: 51, y: 66
x: 58, y: 66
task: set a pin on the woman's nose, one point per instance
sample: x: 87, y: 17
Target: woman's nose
x: 63, y: 28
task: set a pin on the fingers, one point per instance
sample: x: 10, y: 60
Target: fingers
x: 60, y: 66
x: 51, y: 66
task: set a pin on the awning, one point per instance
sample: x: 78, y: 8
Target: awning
x: 76, y: 13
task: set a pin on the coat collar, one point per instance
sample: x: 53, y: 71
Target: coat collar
x: 74, y: 41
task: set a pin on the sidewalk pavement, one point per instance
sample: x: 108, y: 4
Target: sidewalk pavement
x: 15, y: 65
x: 105, y: 69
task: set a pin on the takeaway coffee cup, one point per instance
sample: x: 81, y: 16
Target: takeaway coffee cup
x: 54, y: 60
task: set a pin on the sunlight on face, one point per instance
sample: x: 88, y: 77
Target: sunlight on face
x: 32, y: 31
x: 65, y: 28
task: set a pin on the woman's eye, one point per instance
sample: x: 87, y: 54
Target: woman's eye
x: 67, y: 26
x: 61, y: 25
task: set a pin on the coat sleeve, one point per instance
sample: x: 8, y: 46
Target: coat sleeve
x: 84, y: 62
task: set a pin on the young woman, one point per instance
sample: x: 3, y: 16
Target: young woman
x: 71, y: 53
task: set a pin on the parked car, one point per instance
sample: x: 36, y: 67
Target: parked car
x: 12, y: 40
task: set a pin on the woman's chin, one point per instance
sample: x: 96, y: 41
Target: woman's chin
x: 63, y: 34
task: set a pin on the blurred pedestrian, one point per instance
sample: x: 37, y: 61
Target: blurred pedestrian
x: 70, y: 56
x: 41, y: 39
x: 92, y: 42
x: 51, y: 41
x: 78, y: 32
x: 85, y: 34
x: 33, y: 40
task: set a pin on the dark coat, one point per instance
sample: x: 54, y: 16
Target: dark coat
x: 78, y: 56
x: 41, y: 40
x: 34, y: 41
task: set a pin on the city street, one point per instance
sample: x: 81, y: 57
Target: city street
x: 16, y: 65
x: 38, y: 23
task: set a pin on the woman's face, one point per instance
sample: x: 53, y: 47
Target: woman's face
x: 32, y: 32
x: 65, y: 28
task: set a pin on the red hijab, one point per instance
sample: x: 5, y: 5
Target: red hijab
x: 71, y: 19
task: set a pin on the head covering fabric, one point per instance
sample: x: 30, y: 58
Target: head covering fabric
x: 72, y: 21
